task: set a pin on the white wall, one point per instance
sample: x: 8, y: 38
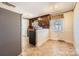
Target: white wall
x: 25, y: 39
x: 24, y: 30
x: 76, y: 27
x: 68, y: 27
x: 67, y: 33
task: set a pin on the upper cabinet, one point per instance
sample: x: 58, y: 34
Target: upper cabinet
x: 44, y: 21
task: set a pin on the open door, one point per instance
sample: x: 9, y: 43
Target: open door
x: 10, y: 33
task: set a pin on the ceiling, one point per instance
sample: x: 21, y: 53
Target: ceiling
x: 35, y: 9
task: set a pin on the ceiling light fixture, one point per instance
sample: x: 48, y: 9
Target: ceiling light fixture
x: 51, y: 7
x: 55, y: 6
x: 39, y: 18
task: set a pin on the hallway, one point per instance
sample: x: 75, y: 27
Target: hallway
x: 55, y: 48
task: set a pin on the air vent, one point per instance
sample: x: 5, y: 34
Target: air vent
x: 8, y: 4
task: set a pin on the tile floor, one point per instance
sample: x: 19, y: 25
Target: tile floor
x: 51, y: 48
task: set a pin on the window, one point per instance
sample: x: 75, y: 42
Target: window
x: 56, y: 25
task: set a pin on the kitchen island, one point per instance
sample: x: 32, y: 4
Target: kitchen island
x: 42, y: 36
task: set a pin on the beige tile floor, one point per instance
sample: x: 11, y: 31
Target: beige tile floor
x: 51, y: 48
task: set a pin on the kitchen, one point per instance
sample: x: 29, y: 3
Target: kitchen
x: 47, y: 28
